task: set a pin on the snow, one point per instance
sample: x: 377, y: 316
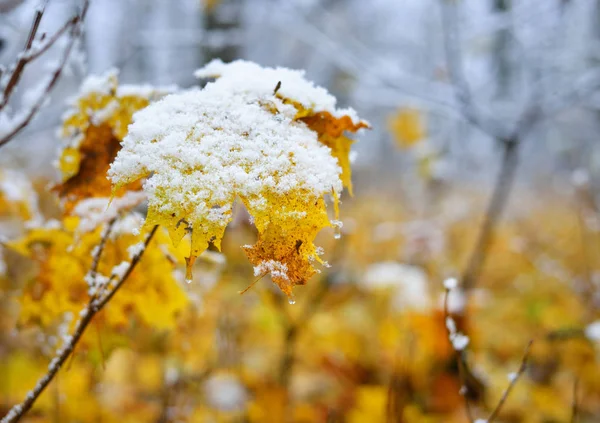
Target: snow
x: 450, y: 284
x: 135, y: 249
x: 260, y: 82
x: 592, y: 331
x: 96, y: 211
x: 120, y: 269
x: 225, y: 392
x: 409, y: 283
x: 459, y: 341
x: 450, y: 325
x: 98, y: 84
x: 102, y: 115
x: 275, y: 268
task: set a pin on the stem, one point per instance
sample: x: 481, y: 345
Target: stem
x: 512, y: 384
x: 460, y: 359
x: 86, y: 316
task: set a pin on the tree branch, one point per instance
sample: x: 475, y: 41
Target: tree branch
x: 511, y: 385
x: 74, y: 24
x: 86, y: 315
x: 23, y: 59
x: 451, y: 330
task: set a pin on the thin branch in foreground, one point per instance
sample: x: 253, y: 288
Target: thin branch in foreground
x: 86, y: 315
x: 575, y: 404
x: 74, y: 24
x: 513, y: 381
x: 450, y: 284
x: 451, y: 332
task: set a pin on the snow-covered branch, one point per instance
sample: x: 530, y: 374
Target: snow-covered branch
x: 35, y: 47
x: 95, y: 304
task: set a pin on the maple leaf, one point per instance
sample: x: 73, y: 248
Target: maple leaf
x: 239, y: 138
x: 93, y: 129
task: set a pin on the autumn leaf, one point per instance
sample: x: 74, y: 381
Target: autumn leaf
x: 240, y: 137
x: 93, y: 129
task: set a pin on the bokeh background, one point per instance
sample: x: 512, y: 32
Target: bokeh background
x: 483, y: 163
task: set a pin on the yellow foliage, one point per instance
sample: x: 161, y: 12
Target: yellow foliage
x: 370, y: 404
x: 407, y: 126
x: 94, y: 128
x: 151, y: 294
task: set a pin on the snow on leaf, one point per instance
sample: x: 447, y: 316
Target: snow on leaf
x: 240, y: 138
x: 314, y: 105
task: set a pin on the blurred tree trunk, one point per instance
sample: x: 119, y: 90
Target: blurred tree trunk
x: 222, y: 26
x: 502, y: 62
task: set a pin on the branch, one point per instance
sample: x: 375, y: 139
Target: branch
x: 23, y: 59
x: 86, y: 316
x: 454, y: 63
x: 28, y: 55
x: 450, y: 284
x: 513, y: 382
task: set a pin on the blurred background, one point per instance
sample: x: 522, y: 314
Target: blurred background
x: 483, y: 163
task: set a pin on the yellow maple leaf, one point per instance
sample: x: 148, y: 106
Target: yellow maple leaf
x: 93, y: 129
x: 243, y: 137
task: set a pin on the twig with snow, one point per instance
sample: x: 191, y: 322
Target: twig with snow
x: 459, y: 343
x: 32, y: 51
x: 95, y: 304
x: 513, y: 381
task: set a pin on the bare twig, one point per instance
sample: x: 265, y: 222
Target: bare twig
x: 23, y: 59
x: 86, y: 316
x: 451, y: 330
x: 513, y: 381
x: 455, y: 70
x: 74, y: 25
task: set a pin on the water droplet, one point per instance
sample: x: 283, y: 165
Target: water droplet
x: 337, y: 228
x: 188, y: 280
x: 292, y: 300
